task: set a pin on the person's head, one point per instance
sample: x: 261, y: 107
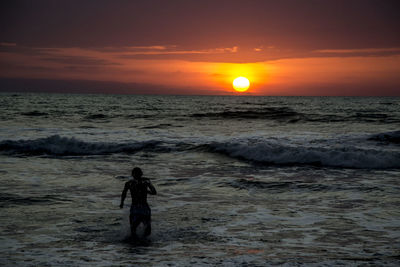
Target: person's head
x: 137, y: 173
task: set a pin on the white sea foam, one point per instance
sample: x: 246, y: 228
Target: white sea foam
x: 345, y: 156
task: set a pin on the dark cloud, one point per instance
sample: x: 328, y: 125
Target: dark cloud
x: 78, y: 60
x: 312, y: 24
x: 5, y: 44
x: 88, y: 87
x: 22, y: 69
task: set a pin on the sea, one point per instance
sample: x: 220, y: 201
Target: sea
x: 241, y: 180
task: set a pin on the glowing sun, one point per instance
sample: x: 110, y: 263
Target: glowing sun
x: 241, y: 84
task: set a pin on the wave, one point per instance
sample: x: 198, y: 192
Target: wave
x: 7, y: 199
x: 34, y: 113
x: 63, y: 146
x: 262, y: 151
x: 283, y: 186
x: 274, y: 113
x: 96, y: 117
x: 277, y: 154
x: 286, y: 114
x: 388, y: 137
x: 158, y: 126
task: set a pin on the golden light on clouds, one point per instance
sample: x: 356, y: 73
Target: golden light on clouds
x: 289, y: 76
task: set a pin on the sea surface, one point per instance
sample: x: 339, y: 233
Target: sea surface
x: 241, y: 181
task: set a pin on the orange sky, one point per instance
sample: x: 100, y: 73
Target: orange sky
x: 279, y: 56
x: 292, y: 76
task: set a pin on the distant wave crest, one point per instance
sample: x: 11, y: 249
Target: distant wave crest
x: 34, y: 113
x: 272, y: 113
x: 389, y: 137
x: 95, y: 116
x: 286, y: 114
x: 63, y: 146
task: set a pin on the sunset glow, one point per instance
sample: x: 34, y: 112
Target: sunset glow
x: 297, y: 58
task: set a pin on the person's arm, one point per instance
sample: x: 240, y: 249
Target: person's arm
x: 123, y: 196
x: 152, y: 190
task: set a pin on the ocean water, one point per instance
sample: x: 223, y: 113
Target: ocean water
x: 250, y: 181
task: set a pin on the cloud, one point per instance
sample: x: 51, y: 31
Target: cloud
x: 232, y: 50
x: 151, y: 47
x: 92, y: 86
x: 78, y: 60
x: 7, y: 44
x: 173, y: 50
x: 360, y: 51
x: 110, y: 55
x: 291, y: 24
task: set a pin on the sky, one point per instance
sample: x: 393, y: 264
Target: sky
x: 286, y: 47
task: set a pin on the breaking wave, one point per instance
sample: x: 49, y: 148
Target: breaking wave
x: 264, y: 151
x: 63, y: 146
x: 277, y: 154
x: 388, y: 137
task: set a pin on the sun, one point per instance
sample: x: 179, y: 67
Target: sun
x: 241, y: 84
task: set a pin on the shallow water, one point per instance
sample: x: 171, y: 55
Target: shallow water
x: 253, y: 180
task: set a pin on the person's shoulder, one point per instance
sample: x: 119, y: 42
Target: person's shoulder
x: 146, y: 180
x: 128, y: 183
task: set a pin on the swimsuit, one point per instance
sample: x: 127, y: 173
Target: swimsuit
x: 140, y: 210
x: 140, y: 213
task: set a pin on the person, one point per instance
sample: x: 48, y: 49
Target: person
x: 140, y: 211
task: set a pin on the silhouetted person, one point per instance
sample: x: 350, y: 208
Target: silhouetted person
x: 140, y: 210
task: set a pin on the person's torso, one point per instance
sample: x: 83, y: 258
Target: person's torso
x: 138, y: 190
